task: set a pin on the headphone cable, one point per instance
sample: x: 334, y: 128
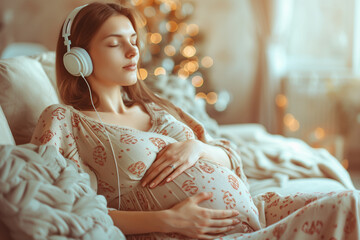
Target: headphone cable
x: 107, y: 134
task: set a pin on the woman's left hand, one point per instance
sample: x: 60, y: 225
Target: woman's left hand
x: 171, y: 161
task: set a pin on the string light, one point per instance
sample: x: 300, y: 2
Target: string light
x: 200, y: 95
x: 170, y: 50
x: 188, y: 51
x: 159, y: 71
x: 207, y: 62
x: 319, y: 133
x: 191, y: 66
x: 171, y: 26
x: 182, y: 73
x: 172, y: 43
x: 192, y: 29
x: 290, y: 121
x: 156, y: 38
x: 197, y: 81
x: 142, y: 74
x: 211, y: 97
x: 281, y: 101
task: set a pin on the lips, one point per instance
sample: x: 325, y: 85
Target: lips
x: 130, y: 67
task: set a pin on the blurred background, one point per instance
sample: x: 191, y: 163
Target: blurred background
x: 290, y: 65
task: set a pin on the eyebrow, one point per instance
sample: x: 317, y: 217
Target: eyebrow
x: 119, y: 35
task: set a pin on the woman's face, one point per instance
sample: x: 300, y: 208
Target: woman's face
x: 114, y: 52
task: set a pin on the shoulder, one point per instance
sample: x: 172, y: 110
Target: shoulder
x: 57, y: 112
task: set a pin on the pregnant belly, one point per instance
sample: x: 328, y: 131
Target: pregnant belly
x: 229, y: 192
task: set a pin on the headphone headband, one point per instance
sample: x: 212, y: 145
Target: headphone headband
x: 76, y: 60
x: 67, y: 26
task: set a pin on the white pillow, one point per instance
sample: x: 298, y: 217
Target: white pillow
x: 26, y: 90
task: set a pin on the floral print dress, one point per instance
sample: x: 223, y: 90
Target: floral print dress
x: 268, y: 216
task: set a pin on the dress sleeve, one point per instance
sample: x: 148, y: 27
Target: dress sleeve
x: 226, y: 145
x: 54, y: 127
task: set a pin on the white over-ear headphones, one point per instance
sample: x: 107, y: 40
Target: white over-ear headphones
x: 76, y: 60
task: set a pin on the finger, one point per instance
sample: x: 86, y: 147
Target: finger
x: 177, y: 172
x: 162, y: 176
x: 223, y: 222
x: 153, y: 171
x: 221, y: 214
x: 154, y: 165
x: 158, y: 160
x: 161, y: 171
x: 202, y: 196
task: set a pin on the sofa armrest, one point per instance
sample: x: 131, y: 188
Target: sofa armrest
x: 243, y: 131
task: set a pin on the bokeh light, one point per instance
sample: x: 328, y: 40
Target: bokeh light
x: 207, y: 62
x: 319, y: 133
x: 182, y: 73
x: 142, y: 74
x: 170, y: 50
x: 281, y: 101
x: 159, y: 71
x: 200, y: 95
x: 191, y: 66
x: 291, y: 123
x: 211, y: 97
x: 197, y: 81
x: 188, y: 51
x: 171, y: 26
x: 155, y: 38
x: 192, y: 29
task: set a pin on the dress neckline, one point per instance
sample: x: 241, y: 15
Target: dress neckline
x: 148, y: 109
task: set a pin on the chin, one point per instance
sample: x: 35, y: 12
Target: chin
x: 132, y: 82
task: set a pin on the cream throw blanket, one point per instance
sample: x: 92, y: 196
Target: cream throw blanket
x: 44, y: 196
x: 267, y: 156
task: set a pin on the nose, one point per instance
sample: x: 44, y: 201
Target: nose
x: 132, y: 51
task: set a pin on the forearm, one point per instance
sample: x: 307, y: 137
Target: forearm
x: 137, y: 222
x: 215, y: 154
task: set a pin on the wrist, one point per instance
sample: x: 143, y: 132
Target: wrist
x: 165, y: 219
x: 203, y: 149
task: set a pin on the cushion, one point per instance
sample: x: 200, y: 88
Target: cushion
x: 27, y: 85
x: 6, y: 136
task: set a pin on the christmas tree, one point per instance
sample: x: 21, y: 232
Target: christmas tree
x: 173, y: 44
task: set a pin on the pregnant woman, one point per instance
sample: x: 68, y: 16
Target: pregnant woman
x: 163, y: 176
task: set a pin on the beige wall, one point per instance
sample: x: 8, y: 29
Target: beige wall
x: 229, y: 34
x: 226, y: 26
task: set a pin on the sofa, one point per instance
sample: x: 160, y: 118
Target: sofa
x: 271, y: 162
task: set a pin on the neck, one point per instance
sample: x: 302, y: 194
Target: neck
x: 110, y: 98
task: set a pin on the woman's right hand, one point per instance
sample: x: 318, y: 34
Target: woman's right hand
x: 191, y: 220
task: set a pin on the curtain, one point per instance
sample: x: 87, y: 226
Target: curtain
x: 272, y: 18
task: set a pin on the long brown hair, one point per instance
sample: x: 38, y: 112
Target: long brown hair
x: 73, y: 90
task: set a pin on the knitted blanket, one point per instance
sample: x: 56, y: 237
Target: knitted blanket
x: 44, y: 196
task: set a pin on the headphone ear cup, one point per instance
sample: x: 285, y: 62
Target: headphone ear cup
x: 77, y: 61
